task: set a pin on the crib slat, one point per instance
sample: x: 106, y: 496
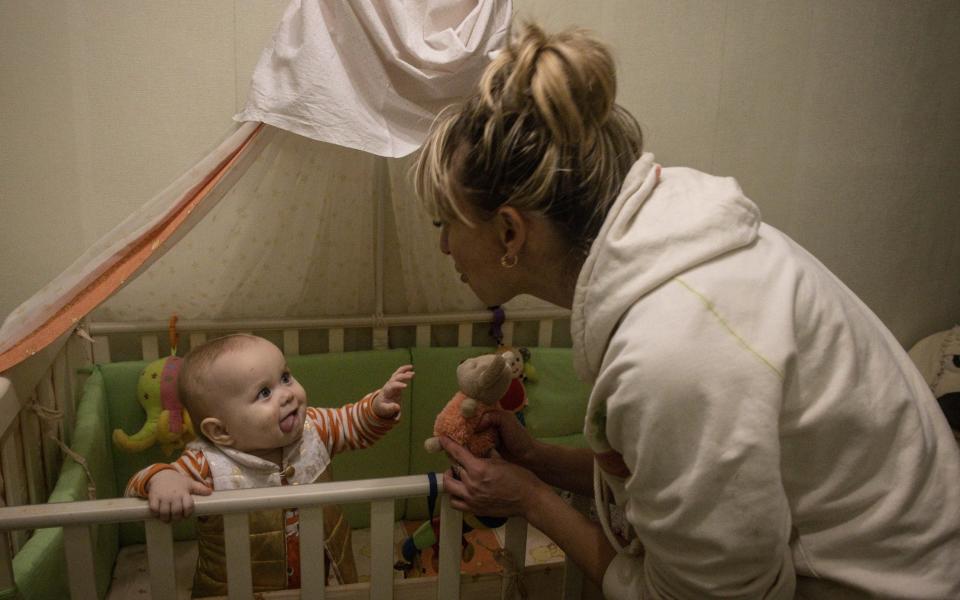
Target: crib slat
x: 312, y: 558
x: 160, y: 559
x: 101, y: 349
x: 545, y: 335
x: 381, y: 338
x: 423, y: 336
x: 32, y: 460
x: 291, y: 342
x: 507, y: 329
x: 196, y: 339
x: 14, y: 477
x: 381, y: 549
x: 46, y: 396
x: 6, y: 564
x: 572, y: 580
x: 516, y: 546
x: 236, y: 538
x: 63, y: 386
x: 150, y: 347
x: 572, y: 575
x: 335, y: 337
x: 78, y: 545
x: 448, y: 579
x: 9, y: 406
x: 465, y: 335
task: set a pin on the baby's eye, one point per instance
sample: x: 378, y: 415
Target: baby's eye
x: 286, y: 377
x: 437, y: 223
x: 263, y: 393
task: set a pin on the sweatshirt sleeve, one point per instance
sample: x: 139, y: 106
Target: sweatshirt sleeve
x: 191, y: 463
x: 351, y: 426
x: 694, y: 411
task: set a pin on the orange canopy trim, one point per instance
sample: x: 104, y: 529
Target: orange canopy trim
x: 117, y: 275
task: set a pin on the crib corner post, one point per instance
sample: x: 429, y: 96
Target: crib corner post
x: 8, y: 588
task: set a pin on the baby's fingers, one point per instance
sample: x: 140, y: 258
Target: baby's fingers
x: 393, y: 388
x: 404, y: 373
x: 186, y: 506
x: 160, y: 508
x: 199, y: 489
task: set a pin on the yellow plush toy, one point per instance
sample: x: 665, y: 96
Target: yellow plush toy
x: 167, y: 422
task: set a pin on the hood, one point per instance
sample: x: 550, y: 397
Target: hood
x: 663, y: 223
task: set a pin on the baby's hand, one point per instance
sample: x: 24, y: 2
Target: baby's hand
x: 386, y: 404
x: 170, y: 495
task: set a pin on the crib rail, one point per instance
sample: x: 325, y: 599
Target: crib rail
x: 234, y: 505
x: 38, y: 396
x: 375, y: 332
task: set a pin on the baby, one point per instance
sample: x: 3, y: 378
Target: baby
x: 256, y: 430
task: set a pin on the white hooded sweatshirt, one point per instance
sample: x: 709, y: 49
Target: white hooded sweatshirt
x: 777, y: 439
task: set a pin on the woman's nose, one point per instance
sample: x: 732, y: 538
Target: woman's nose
x: 444, y: 241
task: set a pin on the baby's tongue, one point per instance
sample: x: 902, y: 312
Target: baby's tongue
x: 286, y: 425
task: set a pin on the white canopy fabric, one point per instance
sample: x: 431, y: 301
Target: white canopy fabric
x: 372, y: 75
x: 126, y: 250
x: 294, y: 237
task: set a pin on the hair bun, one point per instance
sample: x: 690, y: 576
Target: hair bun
x: 567, y: 79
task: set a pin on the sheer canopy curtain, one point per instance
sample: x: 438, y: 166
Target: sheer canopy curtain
x: 296, y: 237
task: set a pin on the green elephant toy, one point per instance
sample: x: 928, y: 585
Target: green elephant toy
x: 168, y: 423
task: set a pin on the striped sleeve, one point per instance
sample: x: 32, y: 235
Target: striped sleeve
x: 351, y: 426
x: 191, y: 463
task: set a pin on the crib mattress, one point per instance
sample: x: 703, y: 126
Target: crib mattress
x: 131, y: 579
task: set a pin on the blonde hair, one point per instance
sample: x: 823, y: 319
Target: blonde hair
x: 193, y: 386
x: 542, y: 133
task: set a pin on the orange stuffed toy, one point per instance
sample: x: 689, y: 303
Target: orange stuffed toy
x: 482, y: 380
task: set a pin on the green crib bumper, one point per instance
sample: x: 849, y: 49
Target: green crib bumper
x: 557, y: 404
x: 40, y: 567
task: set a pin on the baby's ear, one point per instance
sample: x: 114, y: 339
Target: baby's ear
x: 216, y: 432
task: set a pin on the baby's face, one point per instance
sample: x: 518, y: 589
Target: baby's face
x: 260, y: 404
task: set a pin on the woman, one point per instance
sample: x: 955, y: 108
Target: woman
x: 764, y: 433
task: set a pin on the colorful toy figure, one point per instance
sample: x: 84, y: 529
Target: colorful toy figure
x: 515, y: 399
x: 167, y: 422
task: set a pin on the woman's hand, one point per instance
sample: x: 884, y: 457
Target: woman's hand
x: 491, y: 487
x: 514, y: 442
x: 563, y: 467
x: 496, y: 488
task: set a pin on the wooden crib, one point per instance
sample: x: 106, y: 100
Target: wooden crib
x: 36, y: 417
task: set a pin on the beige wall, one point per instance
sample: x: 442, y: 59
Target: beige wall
x: 840, y: 119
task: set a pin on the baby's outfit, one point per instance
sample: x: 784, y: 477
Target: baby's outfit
x: 274, y: 543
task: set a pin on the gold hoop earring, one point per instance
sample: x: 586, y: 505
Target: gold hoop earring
x: 508, y: 261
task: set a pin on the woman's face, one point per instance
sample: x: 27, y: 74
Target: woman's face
x: 476, y: 251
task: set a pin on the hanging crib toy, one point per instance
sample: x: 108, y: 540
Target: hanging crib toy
x: 167, y: 422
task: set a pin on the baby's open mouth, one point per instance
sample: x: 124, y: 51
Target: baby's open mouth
x: 289, y: 422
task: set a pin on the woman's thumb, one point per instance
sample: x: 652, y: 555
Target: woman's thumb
x: 488, y: 420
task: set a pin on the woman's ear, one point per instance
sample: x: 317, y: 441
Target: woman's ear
x: 215, y: 431
x: 511, y: 229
